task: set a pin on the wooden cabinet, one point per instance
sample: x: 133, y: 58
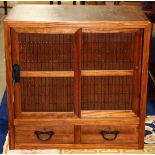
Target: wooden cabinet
x: 76, y: 76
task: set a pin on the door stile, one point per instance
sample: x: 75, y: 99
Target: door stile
x: 9, y: 90
x: 77, y: 134
x: 77, y: 83
x: 137, y: 53
x: 77, y: 73
x: 15, y: 60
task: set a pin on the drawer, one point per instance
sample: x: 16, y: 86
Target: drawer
x: 109, y: 134
x: 58, y: 134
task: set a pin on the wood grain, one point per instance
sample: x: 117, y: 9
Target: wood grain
x: 51, y: 30
x: 91, y: 134
x: 77, y: 146
x: 107, y: 73
x: 101, y: 114
x: 71, y: 73
x: 76, y: 121
x: 62, y: 134
x: 47, y: 73
x: 77, y: 134
x: 77, y: 73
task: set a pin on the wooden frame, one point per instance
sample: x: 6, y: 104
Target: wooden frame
x: 78, y: 25
x: 75, y: 74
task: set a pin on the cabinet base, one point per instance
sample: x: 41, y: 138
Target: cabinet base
x: 77, y: 146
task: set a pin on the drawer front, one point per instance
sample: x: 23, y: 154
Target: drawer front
x: 59, y: 134
x: 110, y: 51
x: 109, y: 134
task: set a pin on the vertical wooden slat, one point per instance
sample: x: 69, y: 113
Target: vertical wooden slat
x: 102, y: 104
x: 111, y: 106
x: 15, y: 58
x: 77, y: 83
x: 54, y: 86
x: 56, y: 92
x: 144, y: 80
x: 29, y: 86
x: 106, y: 92
x: 77, y: 73
x: 85, y: 59
x: 47, y: 94
x: 51, y: 94
x: 77, y: 134
x: 137, y: 69
x: 69, y: 82
x: 113, y: 97
x: 123, y: 93
x: 43, y: 93
x: 61, y: 94
x: 32, y: 92
x: 62, y: 52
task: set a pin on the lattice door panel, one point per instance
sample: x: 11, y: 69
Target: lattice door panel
x: 45, y: 52
x: 48, y: 64
x: 47, y: 94
x: 107, y: 93
x: 109, y: 50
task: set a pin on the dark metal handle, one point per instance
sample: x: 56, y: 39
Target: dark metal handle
x: 39, y: 133
x: 104, y: 133
x: 103, y: 51
x: 16, y: 72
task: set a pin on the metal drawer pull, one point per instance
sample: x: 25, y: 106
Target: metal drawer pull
x: 104, y: 133
x: 39, y: 133
x: 103, y: 51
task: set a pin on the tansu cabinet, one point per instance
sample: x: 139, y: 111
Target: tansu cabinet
x: 76, y: 76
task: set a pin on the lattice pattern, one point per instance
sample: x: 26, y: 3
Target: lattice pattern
x: 43, y: 52
x: 107, y: 93
x: 108, y: 50
x: 47, y: 94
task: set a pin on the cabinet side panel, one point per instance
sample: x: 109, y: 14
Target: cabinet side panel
x: 144, y: 79
x: 9, y: 85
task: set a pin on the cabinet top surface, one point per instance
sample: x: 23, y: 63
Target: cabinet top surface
x: 52, y: 13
